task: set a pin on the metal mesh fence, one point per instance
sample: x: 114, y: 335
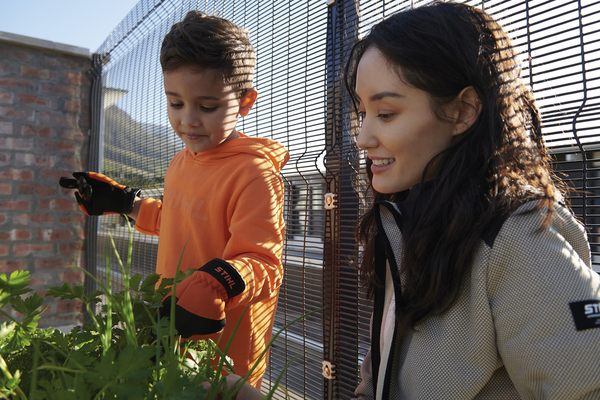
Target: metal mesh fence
x: 301, y: 49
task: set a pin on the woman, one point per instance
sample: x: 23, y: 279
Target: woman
x: 481, y: 275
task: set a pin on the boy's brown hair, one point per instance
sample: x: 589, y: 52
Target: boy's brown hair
x: 204, y: 41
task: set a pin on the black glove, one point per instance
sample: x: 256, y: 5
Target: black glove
x: 97, y: 194
x: 201, y: 298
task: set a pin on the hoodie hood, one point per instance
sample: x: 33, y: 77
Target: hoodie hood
x: 271, y: 150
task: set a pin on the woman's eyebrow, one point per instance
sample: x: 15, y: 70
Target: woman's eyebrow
x: 383, y: 95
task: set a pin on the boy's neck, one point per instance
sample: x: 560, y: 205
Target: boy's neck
x: 234, y: 135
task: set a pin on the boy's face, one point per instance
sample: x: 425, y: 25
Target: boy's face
x: 203, y: 110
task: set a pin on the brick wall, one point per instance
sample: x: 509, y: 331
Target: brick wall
x: 44, y: 122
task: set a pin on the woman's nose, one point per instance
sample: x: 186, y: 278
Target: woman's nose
x: 365, y: 137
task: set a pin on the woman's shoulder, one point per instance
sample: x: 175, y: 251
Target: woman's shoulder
x: 526, y: 246
x: 529, y: 221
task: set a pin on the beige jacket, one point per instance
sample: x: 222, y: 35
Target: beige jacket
x: 513, y: 332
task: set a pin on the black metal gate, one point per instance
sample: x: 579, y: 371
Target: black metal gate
x: 301, y: 49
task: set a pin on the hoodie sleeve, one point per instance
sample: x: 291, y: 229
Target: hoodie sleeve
x: 148, y: 221
x: 256, y: 244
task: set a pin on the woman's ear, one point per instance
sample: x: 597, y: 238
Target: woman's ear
x: 247, y: 101
x: 468, y: 109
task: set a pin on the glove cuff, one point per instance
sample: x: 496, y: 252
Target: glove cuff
x: 130, y: 195
x: 227, y: 276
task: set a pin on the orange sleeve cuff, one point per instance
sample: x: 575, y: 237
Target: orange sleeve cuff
x: 148, y: 221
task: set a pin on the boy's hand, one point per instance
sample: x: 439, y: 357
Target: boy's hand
x: 97, y: 194
x: 201, y: 297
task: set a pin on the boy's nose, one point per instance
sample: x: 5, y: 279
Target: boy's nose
x: 190, y: 119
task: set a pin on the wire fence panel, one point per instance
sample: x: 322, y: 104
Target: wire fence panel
x: 301, y: 49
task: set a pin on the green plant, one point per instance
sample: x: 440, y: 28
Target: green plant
x: 127, y: 352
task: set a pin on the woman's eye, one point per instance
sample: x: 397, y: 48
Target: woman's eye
x: 385, y: 117
x: 175, y: 105
x: 208, y: 109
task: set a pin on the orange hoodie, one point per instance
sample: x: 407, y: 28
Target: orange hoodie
x: 228, y: 202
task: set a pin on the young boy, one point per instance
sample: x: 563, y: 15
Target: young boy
x: 223, y: 194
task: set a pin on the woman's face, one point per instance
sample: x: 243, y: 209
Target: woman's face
x: 399, y: 130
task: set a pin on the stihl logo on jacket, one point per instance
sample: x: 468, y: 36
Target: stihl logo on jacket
x: 185, y: 202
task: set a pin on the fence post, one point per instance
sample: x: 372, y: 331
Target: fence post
x: 340, y: 280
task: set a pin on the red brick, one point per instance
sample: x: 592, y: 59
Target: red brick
x: 4, y: 249
x: 61, y: 62
x: 10, y: 112
x: 57, y: 204
x: 22, y: 250
x: 11, y: 265
x: 6, y: 127
x: 36, y: 190
x: 54, y: 147
x: 28, y: 219
x: 76, y: 162
x: 74, y: 79
x: 4, y: 158
x: 16, y: 83
x: 84, y: 120
x: 53, y: 175
x: 15, y: 205
x: 2, y: 218
x: 72, y: 219
x: 58, y: 90
x: 34, y: 159
x: 57, y: 118
x: 70, y: 248
x: 40, y: 131
x: 72, y: 134
x: 21, y: 54
x: 16, y: 144
x: 5, y: 67
x: 15, y: 234
x: 51, y: 263
x: 38, y: 278
x: 29, y: 100
x: 21, y: 234
x: 71, y: 276
x: 5, y: 189
x: 7, y: 97
x: 48, y: 235
x: 17, y: 175
x: 69, y: 306
x: 71, y: 105
x: 41, y: 73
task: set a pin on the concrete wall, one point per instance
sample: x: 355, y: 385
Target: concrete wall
x: 44, y: 128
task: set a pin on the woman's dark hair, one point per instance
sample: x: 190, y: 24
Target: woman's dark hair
x: 204, y: 41
x: 489, y: 171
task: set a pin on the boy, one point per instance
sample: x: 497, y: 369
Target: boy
x: 223, y: 194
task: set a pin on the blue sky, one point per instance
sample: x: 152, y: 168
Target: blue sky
x: 83, y: 23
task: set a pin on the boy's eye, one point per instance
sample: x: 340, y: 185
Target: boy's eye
x: 175, y: 105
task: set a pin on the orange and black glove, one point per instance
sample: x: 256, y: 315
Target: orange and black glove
x: 97, y: 194
x: 201, y: 297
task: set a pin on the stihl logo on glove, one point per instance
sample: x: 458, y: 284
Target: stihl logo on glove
x: 97, y: 194
x: 227, y: 277
x: 200, y: 301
